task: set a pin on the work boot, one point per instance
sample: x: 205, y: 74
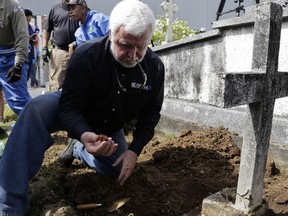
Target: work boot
x: 66, y: 158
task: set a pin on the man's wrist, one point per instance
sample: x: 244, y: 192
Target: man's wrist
x: 18, y: 65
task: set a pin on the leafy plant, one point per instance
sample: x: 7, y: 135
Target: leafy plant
x: 180, y: 30
x: 10, y: 119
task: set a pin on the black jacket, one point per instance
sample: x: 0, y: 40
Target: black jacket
x: 92, y: 100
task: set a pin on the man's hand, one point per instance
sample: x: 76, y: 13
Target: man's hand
x: 98, y: 145
x: 45, y: 54
x: 14, y: 73
x: 71, y: 48
x: 129, y: 161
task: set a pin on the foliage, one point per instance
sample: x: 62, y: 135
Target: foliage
x: 9, y: 114
x: 10, y: 119
x: 180, y: 30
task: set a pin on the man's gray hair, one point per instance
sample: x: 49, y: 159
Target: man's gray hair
x: 135, y: 16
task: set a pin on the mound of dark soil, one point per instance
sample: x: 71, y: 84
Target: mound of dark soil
x: 172, y: 178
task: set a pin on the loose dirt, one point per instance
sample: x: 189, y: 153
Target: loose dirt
x: 173, y: 176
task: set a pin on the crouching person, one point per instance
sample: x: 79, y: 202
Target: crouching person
x: 109, y: 82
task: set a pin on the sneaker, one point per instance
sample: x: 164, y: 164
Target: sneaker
x: 66, y: 158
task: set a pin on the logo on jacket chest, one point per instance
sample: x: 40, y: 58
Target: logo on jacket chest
x: 139, y: 86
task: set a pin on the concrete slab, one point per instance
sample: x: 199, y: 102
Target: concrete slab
x: 221, y: 203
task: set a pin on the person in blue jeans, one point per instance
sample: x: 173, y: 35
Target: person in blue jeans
x: 16, y: 93
x: 109, y: 82
x: 13, y: 55
x: 33, y: 55
x: 34, y: 83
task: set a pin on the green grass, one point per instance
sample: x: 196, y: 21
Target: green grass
x: 5, y: 128
x: 9, y: 115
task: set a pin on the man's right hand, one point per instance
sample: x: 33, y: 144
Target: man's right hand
x: 14, y: 73
x: 128, y: 159
x: 45, y: 54
x: 98, y: 145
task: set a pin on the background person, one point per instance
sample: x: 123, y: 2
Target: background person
x: 34, y: 83
x: 92, y: 24
x: 33, y: 41
x: 60, y: 28
x: 13, y: 54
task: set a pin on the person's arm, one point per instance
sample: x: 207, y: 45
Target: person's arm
x: 104, y: 25
x: 45, y: 38
x: 149, y: 116
x: 19, y: 27
x: 48, y: 28
x: 146, y: 122
x: 74, y: 100
x: 45, y: 52
x: 74, y: 97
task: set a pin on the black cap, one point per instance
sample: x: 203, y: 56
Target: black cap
x: 66, y: 3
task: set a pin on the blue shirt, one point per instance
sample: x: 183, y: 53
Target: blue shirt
x: 95, y: 25
x: 31, y: 30
x: 37, y: 52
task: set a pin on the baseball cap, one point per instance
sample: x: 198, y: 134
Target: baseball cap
x: 66, y: 3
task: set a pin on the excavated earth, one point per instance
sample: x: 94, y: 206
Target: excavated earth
x: 173, y: 176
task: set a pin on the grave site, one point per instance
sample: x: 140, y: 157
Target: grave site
x: 172, y: 178
x: 207, y: 171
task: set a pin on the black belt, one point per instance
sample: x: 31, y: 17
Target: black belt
x: 6, y: 46
x: 61, y: 48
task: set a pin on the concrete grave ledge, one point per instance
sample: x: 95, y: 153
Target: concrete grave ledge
x: 221, y: 203
x: 186, y: 41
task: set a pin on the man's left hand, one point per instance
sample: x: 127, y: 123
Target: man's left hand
x: 129, y: 161
x: 14, y: 74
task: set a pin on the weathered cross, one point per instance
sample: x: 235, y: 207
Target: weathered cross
x: 259, y: 90
x: 169, y: 7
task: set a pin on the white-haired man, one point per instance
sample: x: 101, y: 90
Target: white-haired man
x: 109, y: 82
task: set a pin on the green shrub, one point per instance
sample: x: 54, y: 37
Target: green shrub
x: 180, y: 30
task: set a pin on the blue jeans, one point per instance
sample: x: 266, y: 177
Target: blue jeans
x: 16, y: 93
x: 25, y: 148
x: 32, y: 75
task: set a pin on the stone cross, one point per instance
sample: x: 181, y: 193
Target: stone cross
x: 169, y: 7
x: 259, y: 90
